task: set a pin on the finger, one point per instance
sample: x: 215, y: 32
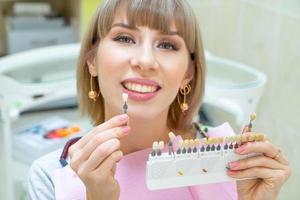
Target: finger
x: 256, y: 161
x: 116, y: 121
x: 114, y: 168
x: 101, y: 153
x: 107, y: 166
x: 83, y: 154
x: 246, y: 129
x: 270, y: 177
x: 280, y: 158
x: 255, y: 172
x: 113, y: 122
x: 264, y: 147
x: 245, y: 137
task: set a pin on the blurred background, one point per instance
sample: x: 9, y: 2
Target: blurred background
x: 253, y: 57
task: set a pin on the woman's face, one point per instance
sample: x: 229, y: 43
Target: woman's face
x: 146, y: 64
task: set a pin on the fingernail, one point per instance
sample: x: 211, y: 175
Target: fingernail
x: 125, y: 129
x: 231, y: 172
x: 241, y: 149
x: 233, y: 165
x: 123, y: 117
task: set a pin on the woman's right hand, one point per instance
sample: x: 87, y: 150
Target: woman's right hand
x: 95, y: 155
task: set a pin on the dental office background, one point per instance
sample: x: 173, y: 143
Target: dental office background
x: 253, y: 57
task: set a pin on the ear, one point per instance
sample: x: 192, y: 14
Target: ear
x: 91, y: 62
x: 189, y: 75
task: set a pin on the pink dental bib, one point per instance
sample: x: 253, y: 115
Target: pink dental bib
x: 131, y: 175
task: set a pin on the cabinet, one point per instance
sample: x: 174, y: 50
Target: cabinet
x: 77, y: 13
x: 70, y: 10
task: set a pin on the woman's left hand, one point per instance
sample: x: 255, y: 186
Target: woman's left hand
x: 271, y: 169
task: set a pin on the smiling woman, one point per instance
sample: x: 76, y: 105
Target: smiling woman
x: 171, y: 34
x: 150, y: 50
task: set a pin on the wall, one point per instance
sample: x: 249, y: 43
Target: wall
x: 87, y: 10
x: 266, y: 35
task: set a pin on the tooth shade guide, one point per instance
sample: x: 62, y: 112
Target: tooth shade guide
x: 154, y: 148
x: 185, y: 146
x: 180, y: 173
x: 155, y: 145
x: 204, y: 170
x: 252, y: 117
x: 252, y: 138
x: 192, y: 143
x: 239, y: 138
x: 161, y: 144
x: 180, y: 144
x: 208, y: 144
x: 172, y: 136
x: 194, y: 168
x: 125, y: 98
x: 160, y: 147
x: 244, y: 138
x: 197, y: 142
x: 189, y: 146
x: 186, y: 143
x: 210, y: 141
x: 202, y: 149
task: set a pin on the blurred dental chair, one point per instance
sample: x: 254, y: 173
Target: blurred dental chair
x: 29, y: 81
x: 233, y: 91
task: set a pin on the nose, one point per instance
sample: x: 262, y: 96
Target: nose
x: 145, y: 58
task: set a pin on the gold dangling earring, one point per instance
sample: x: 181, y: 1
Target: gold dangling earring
x: 93, y: 94
x: 184, y: 91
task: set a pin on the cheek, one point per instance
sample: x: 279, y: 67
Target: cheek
x: 110, y: 60
x: 175, y: 72
x: 110, y: 69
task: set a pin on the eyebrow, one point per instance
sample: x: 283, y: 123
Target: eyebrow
x: 136, y: 29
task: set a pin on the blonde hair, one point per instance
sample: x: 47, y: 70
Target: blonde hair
x: 156, y: 14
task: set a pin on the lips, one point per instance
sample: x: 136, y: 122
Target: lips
x: 140, y: 89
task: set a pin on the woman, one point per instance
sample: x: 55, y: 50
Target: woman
x: 151, y: 50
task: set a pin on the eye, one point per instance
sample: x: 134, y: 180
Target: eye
x: 124, y: 39
x: 167, y: 45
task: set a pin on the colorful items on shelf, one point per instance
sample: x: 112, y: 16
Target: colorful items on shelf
x: 63, y: 132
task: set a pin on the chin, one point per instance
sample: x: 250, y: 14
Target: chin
x: 144, y: 113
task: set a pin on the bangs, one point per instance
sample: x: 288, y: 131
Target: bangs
x: 155, y: 14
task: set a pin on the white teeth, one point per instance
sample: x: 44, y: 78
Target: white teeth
x: 144, y: 88
x: 140, y: 88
